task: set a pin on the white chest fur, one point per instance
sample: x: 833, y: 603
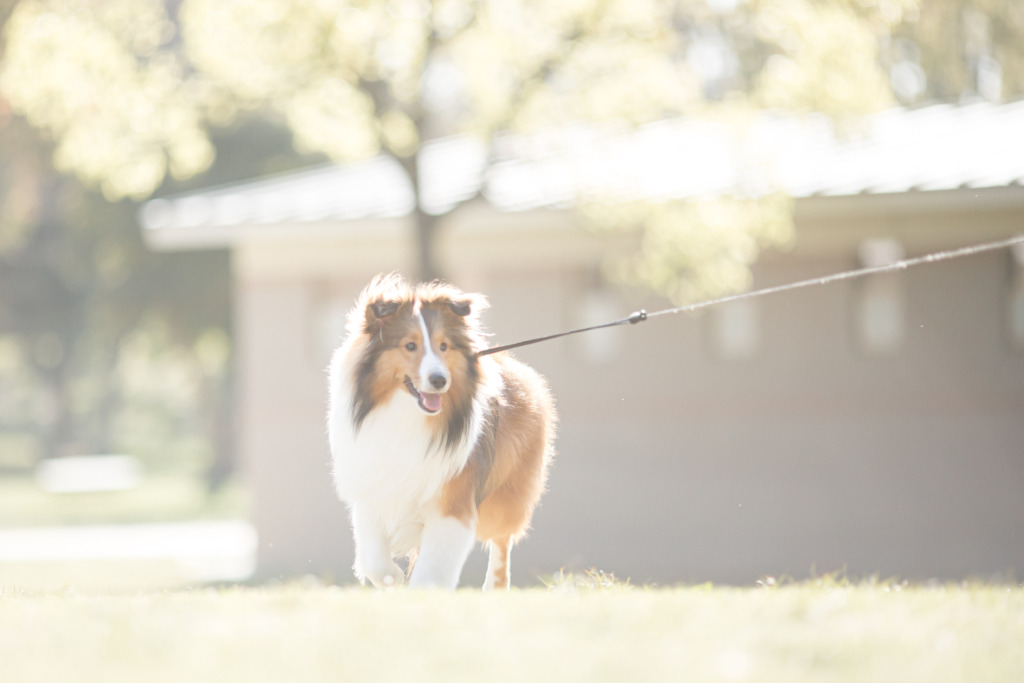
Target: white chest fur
x: 391, y: 467
x: 392, y: 458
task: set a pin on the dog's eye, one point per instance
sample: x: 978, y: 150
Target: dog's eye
x: 444, y: 346
x: 411, y: 346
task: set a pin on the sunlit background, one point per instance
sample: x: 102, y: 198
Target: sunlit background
x: 192, y: 192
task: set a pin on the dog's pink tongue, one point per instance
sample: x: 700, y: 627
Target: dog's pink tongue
x: 432, y: 402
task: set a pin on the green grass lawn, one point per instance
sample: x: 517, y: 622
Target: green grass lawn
x: 160, y: 498
x: 815, y: 631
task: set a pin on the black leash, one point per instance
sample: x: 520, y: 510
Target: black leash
x: 642, y: 315
x: 634, y: 318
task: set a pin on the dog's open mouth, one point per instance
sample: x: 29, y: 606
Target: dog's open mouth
x: 429, y: 403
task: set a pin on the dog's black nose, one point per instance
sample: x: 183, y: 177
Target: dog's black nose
x: 438, y: 381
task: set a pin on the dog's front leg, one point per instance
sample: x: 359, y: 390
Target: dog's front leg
x: 373, y: 551
x: 444, y: 547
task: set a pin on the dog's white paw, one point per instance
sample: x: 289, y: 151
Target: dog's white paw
x: 384, y: 574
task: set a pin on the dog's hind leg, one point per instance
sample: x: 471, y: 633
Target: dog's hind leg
x: 498, y: 571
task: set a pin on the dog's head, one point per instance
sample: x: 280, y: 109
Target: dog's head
x: 420, y: 340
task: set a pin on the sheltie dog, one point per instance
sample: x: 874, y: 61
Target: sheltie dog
x: 432, y: 445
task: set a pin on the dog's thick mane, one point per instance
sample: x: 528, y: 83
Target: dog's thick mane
x: 383, y: 315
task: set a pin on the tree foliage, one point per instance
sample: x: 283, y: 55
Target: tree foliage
x: 103, y: 80
x: 82, y: 301
x: 84, y: 306
x: 125, y: 95
x: 128, y: 90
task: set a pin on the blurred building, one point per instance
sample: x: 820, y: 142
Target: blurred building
x: 875, y: 425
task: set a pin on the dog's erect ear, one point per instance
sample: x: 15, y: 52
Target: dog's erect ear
x: 461, y: 308
x: 382, y: 309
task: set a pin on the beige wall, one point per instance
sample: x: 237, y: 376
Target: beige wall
x: 675, y: 464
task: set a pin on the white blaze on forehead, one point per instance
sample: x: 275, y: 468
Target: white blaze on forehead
x: 417, y: 310
x: 431, y: 363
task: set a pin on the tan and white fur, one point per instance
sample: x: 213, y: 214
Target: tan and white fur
x: 433, y: 446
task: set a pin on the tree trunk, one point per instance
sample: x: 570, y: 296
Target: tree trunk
x: 426, y: 239
x: 221, y: 428
x: 45, y: 302
x: 57, y: 428
x: 424, y: 224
